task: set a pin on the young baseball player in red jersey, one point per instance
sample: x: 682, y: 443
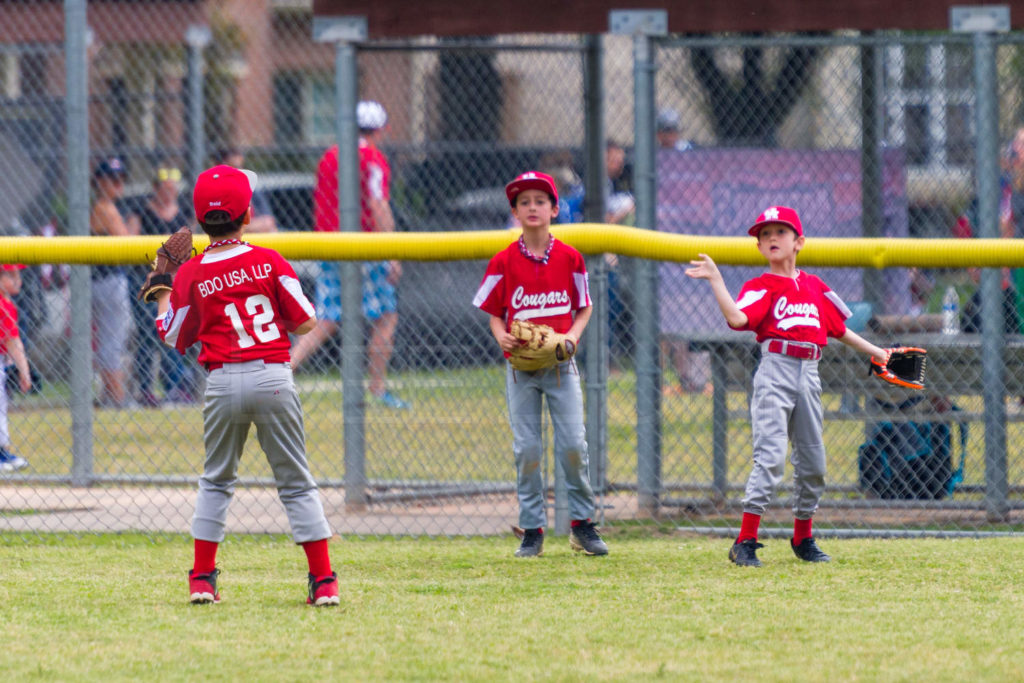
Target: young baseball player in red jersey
x: 541, y: 279
x: 239, y: 302
x: 12, y: 348
x: 793, y: 313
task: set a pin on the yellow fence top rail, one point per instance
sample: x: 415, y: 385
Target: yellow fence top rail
x: 589, y: 238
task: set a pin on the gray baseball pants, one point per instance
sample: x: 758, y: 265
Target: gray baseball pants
x: 239, y: 395
x: 786, y: 407
x: 525, y: 393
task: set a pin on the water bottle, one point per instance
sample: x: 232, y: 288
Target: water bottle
x: 951, y: 311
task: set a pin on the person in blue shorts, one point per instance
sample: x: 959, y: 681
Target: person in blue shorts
x: 380, y: 301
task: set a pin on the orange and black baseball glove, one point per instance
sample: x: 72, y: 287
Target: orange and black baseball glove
x: 903, y: 367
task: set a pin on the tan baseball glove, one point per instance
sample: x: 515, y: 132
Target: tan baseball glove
x: 171, y: 254
x: 539, y: 346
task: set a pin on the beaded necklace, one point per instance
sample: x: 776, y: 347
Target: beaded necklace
x: 223, y: 243
x: 538, y: 259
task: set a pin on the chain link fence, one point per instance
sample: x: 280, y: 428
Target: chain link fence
x: 865, y: 136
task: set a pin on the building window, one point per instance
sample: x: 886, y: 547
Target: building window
x: 304, y: 109
x: 929, y: 103
x: 118, y: 112
x: 32, y: 71
x: 22, y: 71
x: 321, y: 127
x: 288, y: 109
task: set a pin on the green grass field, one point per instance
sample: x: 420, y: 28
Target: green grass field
x: 112, y: 608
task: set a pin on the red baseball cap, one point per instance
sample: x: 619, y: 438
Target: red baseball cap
x: 6, y: 267
x: 531, y: 180
x: 223, y: 188
x: 778, y: 214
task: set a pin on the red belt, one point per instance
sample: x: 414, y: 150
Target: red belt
x: 795, y: 349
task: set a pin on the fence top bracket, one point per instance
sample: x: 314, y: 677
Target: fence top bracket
x: 351, y: 29
x: 979, y: 19
x: 633, y: 22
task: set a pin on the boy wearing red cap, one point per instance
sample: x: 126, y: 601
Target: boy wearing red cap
x: 13, y: 350
x: 542, y: 279
x: 239, y: 302
x: 793, y: 313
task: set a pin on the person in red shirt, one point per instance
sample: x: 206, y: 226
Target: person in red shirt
x: 380, y: 300
x: 792, y: 313
x: 239, y: 302
x: 542, y: 279
x: 13, y: 351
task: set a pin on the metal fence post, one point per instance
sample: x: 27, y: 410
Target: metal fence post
x: 343, y: 31
x: 197, y: 37
x: 593, y: 212
x: 648, y: 365
x: 992, y: 344
x: 352, y: 362
x: 871, y: 165
x: 77, y: 124
x: 642, y: 24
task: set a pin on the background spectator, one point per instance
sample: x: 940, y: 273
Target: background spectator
x: 110, y: 303
x: 380, y: 300
x: 667, y: 131
x: 559, y: 166
x: 161, y: 213
x: 619, y: 210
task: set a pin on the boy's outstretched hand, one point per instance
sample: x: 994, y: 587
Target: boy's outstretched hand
x: 703, y: 268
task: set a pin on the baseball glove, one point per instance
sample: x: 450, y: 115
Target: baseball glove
x: 539, y: 346
x: 904, y: 367
x: 171, y: 254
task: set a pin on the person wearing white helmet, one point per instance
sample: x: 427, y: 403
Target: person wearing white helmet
x: 380, y: 301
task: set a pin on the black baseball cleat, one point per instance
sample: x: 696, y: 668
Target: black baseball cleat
x: 808, y: 551
x: 744, y: 553
x: 532, y: 545
x: 584, y: 537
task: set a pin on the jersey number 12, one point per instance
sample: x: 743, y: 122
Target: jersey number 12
x: 263, y: 326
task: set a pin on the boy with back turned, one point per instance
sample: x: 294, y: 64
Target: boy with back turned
x: 239, y: 302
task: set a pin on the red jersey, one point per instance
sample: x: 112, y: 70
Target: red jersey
x: 374, y: 182
x: 520, y: 287
x: 239, y: 304
x: 8, y: 322
x: 796, y: 309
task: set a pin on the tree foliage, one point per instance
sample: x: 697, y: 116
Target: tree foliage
x: 749, y: 107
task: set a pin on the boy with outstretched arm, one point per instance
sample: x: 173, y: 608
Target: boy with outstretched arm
x: 793, y: 313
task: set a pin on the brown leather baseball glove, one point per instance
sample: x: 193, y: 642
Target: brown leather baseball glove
x: 171, y: 254
x: 540, y: 346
